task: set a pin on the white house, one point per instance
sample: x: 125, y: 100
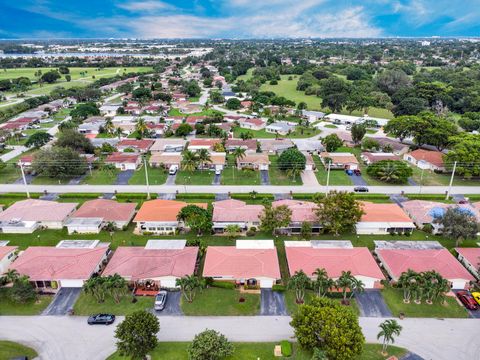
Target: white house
x: 7, y: 256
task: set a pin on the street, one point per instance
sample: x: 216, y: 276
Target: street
x: 60, y: 338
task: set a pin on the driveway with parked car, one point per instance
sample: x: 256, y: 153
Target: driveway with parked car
x: 356, y: 177
x: 171, y: 306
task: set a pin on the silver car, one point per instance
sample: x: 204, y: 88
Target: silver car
x: 160, y: 300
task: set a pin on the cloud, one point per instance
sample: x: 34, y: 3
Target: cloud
x: 149, y: 5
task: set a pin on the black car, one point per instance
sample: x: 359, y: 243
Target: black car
x: 101, y: 319
x: 360, y: 189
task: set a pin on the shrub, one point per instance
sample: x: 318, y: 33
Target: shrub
x: 223, y: 285
x: 280, y: 288
x: 79, y: 195
x: 428, y: 228
x: 286, y: 348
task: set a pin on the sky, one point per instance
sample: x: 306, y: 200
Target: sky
x: 237, y: 18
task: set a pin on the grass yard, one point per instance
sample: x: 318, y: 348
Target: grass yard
x: 279, y: 177
x: 287, y: 88
x: 292, y: 306
x: 394, y: 299
x: 434, y: 179
x: 176, y: 112
x: 247, y: 76
x: 337, y: 177
x: 87, y: 305
x: 299, y: 133
x: 10, y: 350
x: 10, y: 174
x: 101, y: 177
x: 199, y: 177
x: 156, y: 176
x: 221, y: 302
x: 233, y: 176
x: 9, y: 307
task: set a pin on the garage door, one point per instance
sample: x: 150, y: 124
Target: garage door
x: 266, y: 283
x: 369, y: 284
x: 167, y: 283
x: 71, y: 283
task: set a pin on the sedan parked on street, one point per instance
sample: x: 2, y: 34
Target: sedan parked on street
x: 360, y: 189
x: 467, y: 300
x: 101, y: 319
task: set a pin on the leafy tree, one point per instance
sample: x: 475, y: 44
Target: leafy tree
x: 189, y: 161
x: 390, y: 171
x: 196, y: 218
x: 459, y: 224
x: 210, y: 345
x: 72, y: 139
x: 22, y: 291
x: 59, y: 162
x: 142, y: 93
x: 403, y: 126
x: 233, y: 104
x: 188, y: 285
x: 470, y: 121
x: 50, y: 77
x: 137, y: 334
x: 274, y: 217
x: 68, y: 77
x: 358, y: 131
x: 334, y: 92
x: 216, y: 97
x: 291, y: 159
x: 299, y: 282
x: 332, y: 142
x: 390, y: 81
x: 339, y: 212
x: 322, y: 283
x: 370, y: 144
x: 388, y: 330
x: 328, y: 326
x: 183, y: 130
x: 192, y: 89
x: 246, y: 135
x: 232, y: 230
x: 464, y: 151
x: 306, y: 230
x: 82, y: 111
x: 38, y: 139
x: 63, y: 70
x: 410, y: 106
x: 10, y: 276
x: 96, y: 287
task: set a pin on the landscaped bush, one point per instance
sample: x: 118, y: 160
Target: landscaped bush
x: 196, y: 196
x: 223, y: 285
x: 426, y: 197
x: 127, y: 196
x: 21, y: 195
x: 371, y: 197
x: 79, y: 195
x: 286, y: 348
x: 279, y: 288
x: 249, y: 196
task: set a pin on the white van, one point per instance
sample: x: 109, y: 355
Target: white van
x: 173, y: 170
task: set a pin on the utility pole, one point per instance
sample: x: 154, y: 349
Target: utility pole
x: 24, y: 179
x: 328, y: 177
x: 146, y: 177
x: 451, y: 180
x: 421, y: 181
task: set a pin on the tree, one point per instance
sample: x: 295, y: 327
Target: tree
x: 238, y: 153
x: 210, y: 345
x: 464, y: 151
x: 203, y: 157
x: 358, y: 131
x: 232, y: 230
x: 189, y: 161
x: 141, y: 128
x: 183, y: 130
x: 339, y: 212
x: 233, y: 104
x: 63, y: 70
x: 108, y: 126
x: 390, y: 81
x: 459, y: 224
x: 50, y: 77
x: 370, y: 144
x: 292, y: 159
x: 390, y: 171
x: 82, y: 111
x: 142, y: 93
x: 22, y: 291
x: 306, y: 230
x: 410, y: 106
x: 216, y: 97
x: 299, y: 282
x: 274, y: 217
x: 403, y: 126
x: 246, y: 135
x: 322, y: 283
x: 38, y: 139
x: 10, y: 276
x: 59, y: 162
x: 328, y: 326
x: 117, y: 287
x: 68, y: 77
x: 345, y: 282
x: 334, y: 92
x: 196, y: 218
x: 70, y: 138
x: 137, y: 334
x: 188, y: 285
x: 388, y: 330
x: 332, y: 142
x: 96, y: 287
x: 404, y: 282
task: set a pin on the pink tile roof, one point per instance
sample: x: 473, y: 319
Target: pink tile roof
x: 38, y: 210
x: 383, y: 213
x: 5, y: 250
x: 358, y: 260
x: 203, y: 142
x: 109, y: 210
x: 301, y: 210
x: 249, y: 143
x: 432, y: 157
x: 420, y: 210
x: 228, y: 261
x: 137, y: 263
x: 471, y: 254
x: 143, y: 144
x: 119, y: 157
x: 235, y: 211
x: 51, y: 263
x: 440, y: 260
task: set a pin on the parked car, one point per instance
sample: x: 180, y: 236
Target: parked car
x: 349, y: 172
x: 218, y: 172
x: 101, y: 319
x: 476, y: 296
x: 160, y: 300
x: 467, y: 300
x: 463, y: 201
x: 357, y: 172
x: 173, y: 170
x: 360, y: 189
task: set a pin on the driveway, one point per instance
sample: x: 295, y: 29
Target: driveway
x: 358, y: 180
x: 63, y: 301
x: 264, y: 178
x: 77, y: 180
x: 172, y: 307
x: 28, y: 178
x: 309, y: 178
x: 411, y: 356
x: 123, y: 177
x: 372, y: 304
x: 167, y: 196
x: 171, y: 179
x: 49, y: 196
x: 272, y: 303
x: 220, y: 197
x: 216, y: 179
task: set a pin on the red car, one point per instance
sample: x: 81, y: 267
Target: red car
x: 467, y: 300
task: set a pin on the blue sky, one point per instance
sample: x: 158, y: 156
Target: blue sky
x: 237, y: 18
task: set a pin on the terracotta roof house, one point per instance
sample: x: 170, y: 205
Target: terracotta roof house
x: 124, y: 161
x: 197, y: 144
x: 94, y: 214
x: 426, y: 159
x: 256, y: 161
x: 160, y: 216
x: 311, y: 255
x: 398, y: 261
x: 383, y: 219
x: 252, y: 123
x: 339, y: 160
x: 151, y: 268
x: 26, y: 216
x: 302, y: 211
x: 250, y: 262
x: 7, y: 256
x: 371, y: 158
x: 141, y: 146
x: 165, y: 159
x: 232, y: 144
x: 168, y: 145
x: 50, y: 268
x: 470, y: 258
x: 235, y: 212
x: 218, y: 161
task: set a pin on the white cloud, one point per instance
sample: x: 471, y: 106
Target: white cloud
x: 148, y: 5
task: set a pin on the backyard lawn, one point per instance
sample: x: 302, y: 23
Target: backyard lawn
x: 156, y: 176
x: 394, y: 299
x: 221, y: 302
x: 198, y: 177
x: 87, y: 305
x: 279, y: 177
x: 176, y: 112
x: 10, y: 350
x: 9, y: 307
x: 337, y: 177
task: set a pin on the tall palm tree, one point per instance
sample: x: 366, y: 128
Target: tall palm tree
x: 388, y: 173
x: 141, y: 127
x: 388, y: 330
x: 203, y: 157
x: 358, y: 287
x: 238, y: 153
x: 118, y: 133
x: 294, y: 172
x: 188, y: 284
x: 299, y: 283
x: 108, y: 126
x: 189, y: 161
x: 405, y: 282
x: 11, y: 276
x: 322, y: 283
x: 344, y: 282
x: 116, y: 287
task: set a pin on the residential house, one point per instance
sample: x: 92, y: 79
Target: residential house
x: 426, y: 159
x: 395, y: 146
x: 138, y: 146
x: 165, y: 159
x: 252, y: 123
x: 280, y: 128
x: 168, y: 145
x: 313, y: 116
x: 197, y: 144
x: 124, y: 161
x: 371, y: 158
x: 339, y: 160
x: 109, y: 110
x: 256, y: 161
x: 235, y: 212
x: 350, y: 120
x: 7, y: 256
x: 249, y: 145
x: 469, y: 257
x: 302, y: 211
x: 275, y: 146
x: 383, y: 219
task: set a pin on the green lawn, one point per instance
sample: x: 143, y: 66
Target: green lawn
x: 233, y: 176
x: 198, y: 177
x: 10, y: 350
x: 156, y: 176
x: 287, y: 88
x: 247, y: 76
x: 176, y: 112
x: 394, y: 299
x: 337, y: 177
x: 9, y: 307
x: 87, y: 305
x: 101, y: 177
x: 279, y: 177
x: 10, y: 174
x: 263, y: 351
x: 221, y: 302
x: 292, y: 306
x: 434, y: 179
x: 299, y: 133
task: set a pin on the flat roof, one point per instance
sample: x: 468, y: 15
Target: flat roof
x: 400, y: 244
x: 166, y: 244
x: 77, y: 221
x: 78, y: 244
x: 255, y: 244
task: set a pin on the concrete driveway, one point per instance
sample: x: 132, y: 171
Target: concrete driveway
x: 264, y: 177
x: 172, y: 307
x: 63, y: 301
x: 309, y: 178
x: 123, y: 177
x: 372, y: 304
x: 216, y: 179
x: 358, y: 180
x: 171, y: 179
x: 272, y: 303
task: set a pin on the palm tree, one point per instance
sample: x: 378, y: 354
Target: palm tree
x: 189, y: 161
x: 118, y: 133
x: 238, y: 153
x: 11, y: 276
x: 188, y: 284
x: 108, y: 126
x: 203, y: 156
x: 389, y: 329
x: 358, y: 287
x: 405, y: 282
x: 388, y: 173
x: 116, y: 287
x: 141, y: 128
x: 299, y: 283
x: 294, y: 172
x: 322, y: 283
x: 96, y: 286
x: 344, y: 282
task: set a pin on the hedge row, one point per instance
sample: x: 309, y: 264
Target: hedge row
x: 250, y: 197
x: 195, y: 196
x: 20, y: 195
x: 223, y: 285
x: 139, y: 196
x: 80, y: 195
